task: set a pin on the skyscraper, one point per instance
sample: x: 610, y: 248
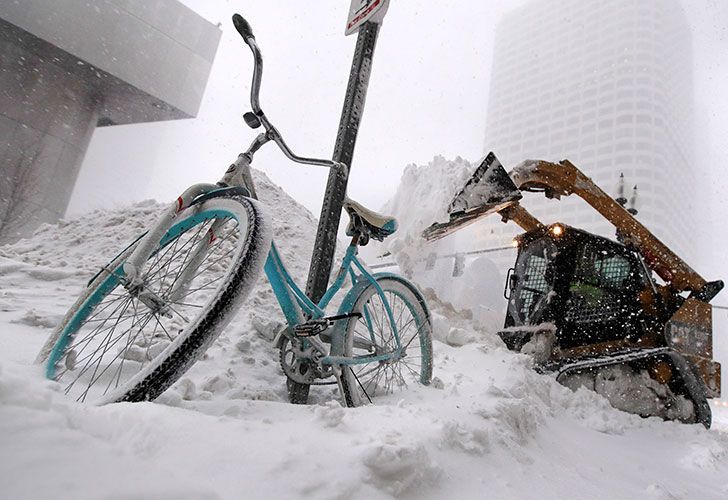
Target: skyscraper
x: 69, y: 67
x: 607, y: 85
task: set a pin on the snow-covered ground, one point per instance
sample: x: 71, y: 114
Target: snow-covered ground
x: 489, y: 427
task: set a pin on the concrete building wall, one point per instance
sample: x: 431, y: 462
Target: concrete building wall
x: 47, y: 116
x: 607, y: 85
x: 70, y: 65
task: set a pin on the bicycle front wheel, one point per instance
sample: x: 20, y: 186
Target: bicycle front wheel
x: 372, y: 336
x: 130, y: 343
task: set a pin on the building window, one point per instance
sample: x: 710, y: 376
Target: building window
x: 605, y: 137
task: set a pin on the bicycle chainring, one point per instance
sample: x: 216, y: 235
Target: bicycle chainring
x: 296, y: 363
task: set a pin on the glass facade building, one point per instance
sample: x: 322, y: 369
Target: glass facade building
x: 607, y: 85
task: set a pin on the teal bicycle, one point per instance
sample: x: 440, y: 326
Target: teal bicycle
x: 148, y: 315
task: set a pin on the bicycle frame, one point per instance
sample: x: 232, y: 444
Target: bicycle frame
x: 297, y: 307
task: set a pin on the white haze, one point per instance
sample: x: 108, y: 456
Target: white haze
x: 427, y: 96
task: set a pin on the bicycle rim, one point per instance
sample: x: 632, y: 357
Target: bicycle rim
x: 373, y: 334
x: 116, y: 339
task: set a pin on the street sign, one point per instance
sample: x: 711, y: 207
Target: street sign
x: 362, y: 11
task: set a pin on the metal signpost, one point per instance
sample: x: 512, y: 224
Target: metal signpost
x: 365, y: 16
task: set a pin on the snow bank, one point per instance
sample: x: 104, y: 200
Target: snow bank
x: 422, y: 198
x: 488, y: 426
x: 241, y: 363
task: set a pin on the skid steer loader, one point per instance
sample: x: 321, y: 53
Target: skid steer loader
x: 628, y: 318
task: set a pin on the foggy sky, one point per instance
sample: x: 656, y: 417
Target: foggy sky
x: 427, y: 96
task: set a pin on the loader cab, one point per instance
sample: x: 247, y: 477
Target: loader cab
x: 585, y: 285
x: 531, y: 280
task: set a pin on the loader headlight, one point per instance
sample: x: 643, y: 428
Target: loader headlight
x: 557, y: 229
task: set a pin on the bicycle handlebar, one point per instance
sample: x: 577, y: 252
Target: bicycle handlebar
x: 271, y: 133
x: 243, y: 27
x: 246, y: 32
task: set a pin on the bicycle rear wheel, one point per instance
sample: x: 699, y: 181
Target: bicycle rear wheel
x: 372, y: 334
x: 124, y: 343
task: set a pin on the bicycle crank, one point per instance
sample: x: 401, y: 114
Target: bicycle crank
x: 317, y: 326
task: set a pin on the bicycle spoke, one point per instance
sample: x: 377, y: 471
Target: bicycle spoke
x: 121, y: 351
x: 99, y: 329
x: 114, y: 340
x: 186, y: 304
x: 178, y: 313
x: 121, y: 365
x: 182, y: 266
x: 163, y: 328
x: 389, y: 312
x: 90, y: 363
x: 107, y: 306
x: 211, y: 250
x: 203, y: 287
x: 173, y: 249
x: 108, y: 344
x: 362, y: 373
x: 215, y: 262
x: 407, y: 365
x: 149, y: 344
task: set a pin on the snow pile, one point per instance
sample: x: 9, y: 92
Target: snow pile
x: 489, y: 426
x: 241, y: 363
x: 422, y: 198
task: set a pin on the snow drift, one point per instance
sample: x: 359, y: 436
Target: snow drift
x: 488, y: 427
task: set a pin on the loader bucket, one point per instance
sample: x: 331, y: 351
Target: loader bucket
x: 488, y: 190
x: 489, y: 186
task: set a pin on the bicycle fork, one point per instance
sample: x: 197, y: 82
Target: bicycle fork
x: 132, y: 280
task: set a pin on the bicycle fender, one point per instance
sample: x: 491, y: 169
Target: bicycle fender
x: 222, y: 191
x: 413, y: 288
x: 339, y: 329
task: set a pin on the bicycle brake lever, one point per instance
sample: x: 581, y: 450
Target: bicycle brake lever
x: 251, y: 120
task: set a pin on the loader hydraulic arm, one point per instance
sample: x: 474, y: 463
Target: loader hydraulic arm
x: 520, y: 216
x: 564, y: 179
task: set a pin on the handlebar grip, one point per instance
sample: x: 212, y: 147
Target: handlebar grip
x: 243, y: 27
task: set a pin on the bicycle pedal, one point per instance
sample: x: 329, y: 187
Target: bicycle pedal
x: 311, y: 328
x: 318, y: 326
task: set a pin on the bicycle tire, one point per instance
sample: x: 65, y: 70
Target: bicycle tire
x: 237, y: 252
x: 361, y: 382
x: 297, y: 392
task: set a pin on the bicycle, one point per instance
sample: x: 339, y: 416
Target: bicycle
x: 148, y: 315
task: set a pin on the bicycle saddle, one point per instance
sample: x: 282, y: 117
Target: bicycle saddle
x: 368, y: 223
